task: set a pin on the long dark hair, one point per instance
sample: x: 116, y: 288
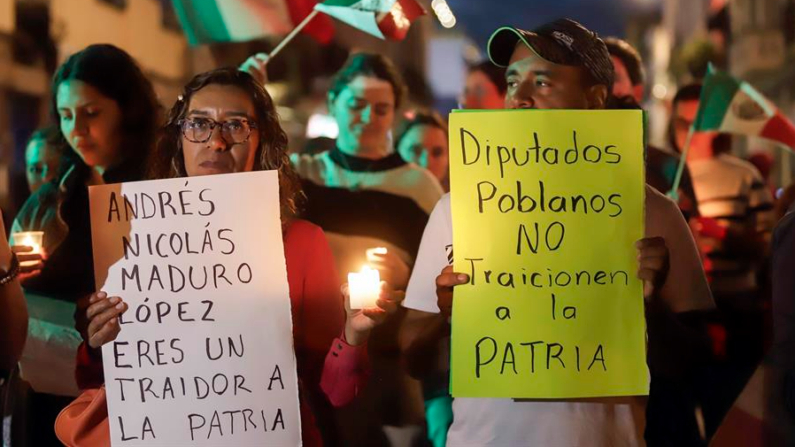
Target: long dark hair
x: 168, y: 160
x: 116, y: 75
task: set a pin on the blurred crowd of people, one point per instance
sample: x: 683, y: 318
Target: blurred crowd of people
x: 715, y: 275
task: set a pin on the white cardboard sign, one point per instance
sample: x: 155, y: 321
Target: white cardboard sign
x: 205, y: 354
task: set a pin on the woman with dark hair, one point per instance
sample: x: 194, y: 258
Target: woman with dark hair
x: 485, y: 87
x: 106, y: 114
x: 169, y: 160
x: 422, y: 140
x: 226, y: 122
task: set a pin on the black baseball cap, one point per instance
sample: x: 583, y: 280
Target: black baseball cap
x: 564, y: 42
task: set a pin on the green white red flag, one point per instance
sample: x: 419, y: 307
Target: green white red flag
x: 385, y: 19
x: 208, y: 21
x: 733, y: 106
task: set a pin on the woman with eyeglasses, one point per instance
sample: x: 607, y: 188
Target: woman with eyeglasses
x: 226, y: 122
x: 106, y: 115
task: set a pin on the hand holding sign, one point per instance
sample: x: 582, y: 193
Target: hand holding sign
x: 206, y: 355
x: 103, y: 318
x: 444, y: 288
x: 546, y: 207
x: 653, y: 265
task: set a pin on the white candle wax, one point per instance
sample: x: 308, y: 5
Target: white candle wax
x: 364, y: 288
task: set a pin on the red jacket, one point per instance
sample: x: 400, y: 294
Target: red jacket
x: 329, y: 370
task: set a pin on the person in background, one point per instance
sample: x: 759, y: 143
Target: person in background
x: 365, y: 196
x: 784, y: 200
x: 106, y: 113
x: 737, y: 218
x: 43, y: 157
x: 422, y: 140
x: 484, y: 87
x: 13, y: 309
x: 563, y: 65
x: 628, y: 66
x: 661, y: 164
x: 670, y: 409
x: 764, y: 163
x: 226, y: 122
x: 13, y: 331
x: 783, y: 304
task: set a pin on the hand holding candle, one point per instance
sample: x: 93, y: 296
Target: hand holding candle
x: 30, y: 239
x: 364, y: 288
x: 28, y: 247
x: 378, y: 303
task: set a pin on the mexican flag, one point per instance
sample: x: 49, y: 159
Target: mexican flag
x: 385, y: 19
x: 208, y: 21
x: 732, y: 106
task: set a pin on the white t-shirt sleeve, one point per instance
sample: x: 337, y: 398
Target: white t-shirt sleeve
x: 434, y: 255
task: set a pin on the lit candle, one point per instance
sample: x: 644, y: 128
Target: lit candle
x: 29, y: 239
x: 364, y: 288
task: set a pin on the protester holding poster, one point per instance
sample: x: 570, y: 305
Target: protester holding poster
x: 329, y: 345
x: 562, y: 65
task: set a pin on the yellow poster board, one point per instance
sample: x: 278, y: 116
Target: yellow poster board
x: 547, y: 206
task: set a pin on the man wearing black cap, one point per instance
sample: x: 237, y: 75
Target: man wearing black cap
x: 561, y: 65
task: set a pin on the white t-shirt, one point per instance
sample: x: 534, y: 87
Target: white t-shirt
x: 508, y: 422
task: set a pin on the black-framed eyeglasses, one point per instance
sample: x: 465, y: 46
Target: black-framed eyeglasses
x: 200, y: 130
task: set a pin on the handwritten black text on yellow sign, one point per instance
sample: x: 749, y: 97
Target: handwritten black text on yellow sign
x: 547, y: 206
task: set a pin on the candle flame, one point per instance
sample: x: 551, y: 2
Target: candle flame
x: 30, y: 239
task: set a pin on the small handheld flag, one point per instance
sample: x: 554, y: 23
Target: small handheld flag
x: 729, y: 105
x: 385, y: 19
x: 209, y: 21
